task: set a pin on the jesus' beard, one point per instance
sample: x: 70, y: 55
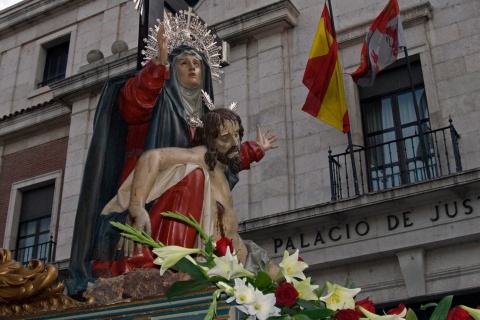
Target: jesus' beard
x: 234, y: 163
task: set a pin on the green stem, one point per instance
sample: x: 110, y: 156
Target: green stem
x: 190, y: 221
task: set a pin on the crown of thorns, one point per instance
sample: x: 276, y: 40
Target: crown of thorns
x: 185, y: 28
x: 195, y: 122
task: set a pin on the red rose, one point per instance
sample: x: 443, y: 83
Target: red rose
x: 457, y: 313
x: 366, y: 304
x: 222, y: 245
x: 346, y: 314
x: 286, y: 295
x: 397, y: 310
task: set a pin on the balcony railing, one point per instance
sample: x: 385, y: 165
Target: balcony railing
x: 391, y: 164
x: 44, y: 252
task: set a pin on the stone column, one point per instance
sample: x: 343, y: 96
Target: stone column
x: 272, y: 187
x: 79, y: 138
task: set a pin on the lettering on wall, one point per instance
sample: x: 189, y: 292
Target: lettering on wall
x: 455, y: 209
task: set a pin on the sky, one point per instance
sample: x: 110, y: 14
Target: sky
x: 7, y: 3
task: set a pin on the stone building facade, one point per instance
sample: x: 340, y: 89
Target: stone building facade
x: 411, y: 232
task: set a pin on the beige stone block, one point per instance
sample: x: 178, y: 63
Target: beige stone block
x: 269, y: 188
x: 91, y: 23
x: 269, y: 42
x: 71, y: 188
x: 458, y: 48
x: 469, y: 27
x: 242, y: 210
x: 69, y: 204
x: 75, y: 158
x: 275, y: 205
x: 444, y: 34
x: 450, y: 69
x: 311, y: 162
x: 64, y: 244
x: 77, y: 143
x: 271, y: 116
x: 79, y: 123
x: 74, y: 172
x: 454, y: 12
x: 271, y: 83
x: 273, y: 99
x: 472, y: 62
x: 235, y: 94
x: 460, y: 85
x: 271, y: 67
x: 238, y: 52
x: 91, y: 9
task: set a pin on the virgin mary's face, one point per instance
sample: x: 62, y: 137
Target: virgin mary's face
x: 189, y: 71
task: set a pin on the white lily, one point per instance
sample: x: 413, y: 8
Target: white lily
x: 168, y: 256
x: 373, y: 316
x: 339, y: 297
x: 228, y: 267
x: 474, y: 313
x: 244, y: 293
x: 305, y: 289
x: 227, y: 289
x: 263, y: 306
x: 291, y: 267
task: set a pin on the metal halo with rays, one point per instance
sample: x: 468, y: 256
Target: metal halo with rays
x: 185, y: 28
x: 195, y: 122
x: 139, y: 6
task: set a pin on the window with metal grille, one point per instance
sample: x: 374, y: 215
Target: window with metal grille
x: 33, y: 240
x: 395, y: 153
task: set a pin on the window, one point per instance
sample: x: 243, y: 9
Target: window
x: 55, y: 61
x: 32, y: 218
x: 395, y: 153
x: 33, y: 240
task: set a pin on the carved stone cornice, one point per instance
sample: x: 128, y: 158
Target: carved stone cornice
x: 266, y: 20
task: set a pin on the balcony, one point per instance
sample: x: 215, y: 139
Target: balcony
x: 44, y: 252
x: 412, y: 159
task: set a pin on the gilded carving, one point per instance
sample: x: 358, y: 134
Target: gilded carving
x: 30, y: 289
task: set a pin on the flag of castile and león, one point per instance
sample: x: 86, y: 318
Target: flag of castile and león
x: 323, y: 78
x: 380, y: 49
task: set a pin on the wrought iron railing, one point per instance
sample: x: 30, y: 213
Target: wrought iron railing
x: 391, y: 164
x: 44, y: 252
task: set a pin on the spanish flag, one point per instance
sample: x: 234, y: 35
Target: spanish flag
x: 323, y: 78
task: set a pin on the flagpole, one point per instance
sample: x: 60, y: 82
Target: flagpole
x: 418, y: 116
x: 349, y: 134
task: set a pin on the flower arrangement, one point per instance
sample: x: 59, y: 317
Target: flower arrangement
x: 289, y: 295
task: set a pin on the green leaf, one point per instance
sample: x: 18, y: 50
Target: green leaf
x: 212, y: 310
x: 428, y: 305
x: 318, y: 313
x: 262, y: 281
x: 441, y: 311
x: 300, y: 316
x: 187, y: 266
x: 190, y: 221
x: 209, y: 247
x: 285, y: 317
x: 310, y: 305
x: 181, y: 287
x: 411, y: 315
